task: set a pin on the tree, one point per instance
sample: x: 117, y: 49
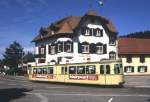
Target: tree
x: 13, y: 55
x: 29, y: 57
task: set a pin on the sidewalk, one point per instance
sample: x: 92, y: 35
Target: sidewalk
x: 137, y: 81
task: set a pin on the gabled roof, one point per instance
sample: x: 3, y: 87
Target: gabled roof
x: 68, y: 24
x: 133, y: 46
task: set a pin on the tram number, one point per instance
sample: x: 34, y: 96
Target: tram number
x: 43, y: 76
x: 83, y: 77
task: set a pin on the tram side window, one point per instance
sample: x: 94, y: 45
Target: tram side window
x: 80, y: 69
x: 39, y: 70
x: 44, y: 70
x: 102, y: 69
x: 90, y: 69
x: 62, y: 70
x: 34, y: 71
x: 117, y: 69
x: 107, y: 69
x: 72, y: 70
x: 50, y: 70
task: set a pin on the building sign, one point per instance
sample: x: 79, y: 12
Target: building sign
x: 83, y: 77
x: 42, y: 76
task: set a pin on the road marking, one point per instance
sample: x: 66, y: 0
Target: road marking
x: 110, y: 100
x: 43, y: 98
x: 96, y: 95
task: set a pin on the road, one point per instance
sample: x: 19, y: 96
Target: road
x: 12, y: 90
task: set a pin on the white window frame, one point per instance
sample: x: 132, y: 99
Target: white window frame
x: 85, y: 48
x: 142, y: 69
x: 70, y: 47
x: 53, y: 49
x: 42, y: 50
x: 87, y: 32
x: 112, y: 56
x: 99, y: 49
x: 59, y: 45
x: 129, y: 69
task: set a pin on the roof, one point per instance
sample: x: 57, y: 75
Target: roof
x: 68, y: 24
x: 133, y: 46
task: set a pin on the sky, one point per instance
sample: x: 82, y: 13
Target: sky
x: 20, y: 20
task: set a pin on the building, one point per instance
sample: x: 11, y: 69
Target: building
x: 135, y: 54
x: 75, y: 39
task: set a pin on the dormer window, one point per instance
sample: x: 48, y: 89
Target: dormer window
x: 87, y: 31
x: 99, y: 32
x: 112, y: 42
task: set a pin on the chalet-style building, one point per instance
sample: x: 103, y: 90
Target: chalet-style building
x: 76, y: 39
x: 135, y: 54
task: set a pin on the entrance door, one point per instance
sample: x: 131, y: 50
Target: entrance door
x: 105, y: 73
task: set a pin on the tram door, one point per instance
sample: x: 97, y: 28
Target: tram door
x: 63, y: 73
x: 106, y: 72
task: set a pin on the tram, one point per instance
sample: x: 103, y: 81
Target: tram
x: 98, y: 73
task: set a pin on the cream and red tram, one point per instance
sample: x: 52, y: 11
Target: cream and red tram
x: 99, y: 73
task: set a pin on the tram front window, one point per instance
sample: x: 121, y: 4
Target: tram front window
x: 80, y: 69
x: 34, y: 71
x: 90, y: 69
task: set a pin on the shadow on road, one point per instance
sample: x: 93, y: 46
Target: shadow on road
x: 7, y: 95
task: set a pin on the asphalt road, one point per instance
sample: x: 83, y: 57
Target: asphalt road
x: 13, y: 90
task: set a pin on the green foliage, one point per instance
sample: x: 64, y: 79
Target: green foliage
x: 13, y: 55
x: 29, y: 57
x: 144, y: 34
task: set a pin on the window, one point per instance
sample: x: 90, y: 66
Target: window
x: 102, y: 69
x: 107, y: 69
x: 85, y: 49
x: 117, y: 69
x: 142, y: 69
x: 112, y: 42
x: 39, y: 70
x: 87, y: 31
x: 128, y: 69
x: 41, y: 61
x: 44, y: 70
x: 142, y: 59
x: 63, y: 70
x: 80, y: 69
x: 52, y: 49
x: 99, y: 49
x: 112, y: 55
x: 60, y: 47
x: 129, y: 59
x: 99, y: 32
x: 72, y: 70
x: 34, y: 71
x: 50, y: 70
x: 90, y: 69
x: 68, y: 46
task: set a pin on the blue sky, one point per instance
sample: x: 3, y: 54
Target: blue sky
x: 21, y: 20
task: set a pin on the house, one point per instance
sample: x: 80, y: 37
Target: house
x: 135, y: 54
x: 75, y: 39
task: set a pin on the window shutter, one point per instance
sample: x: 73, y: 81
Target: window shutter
x: 39, y: 50
x: 49, y: 49
x: 65, y: 46
x: 105, y: 49
x: 101, y: 31
x: 79, y: 47
x: 83, y: 30
x: 90, y: 32
x: 56, y: 49
x: 44, y: 50
x: 71, y: 46
x: 94, y: 32
x: 132, y: 69
x: 145, y: 68
x: 138, y: 68
x: 92, y: 48
x: 125, y: 69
